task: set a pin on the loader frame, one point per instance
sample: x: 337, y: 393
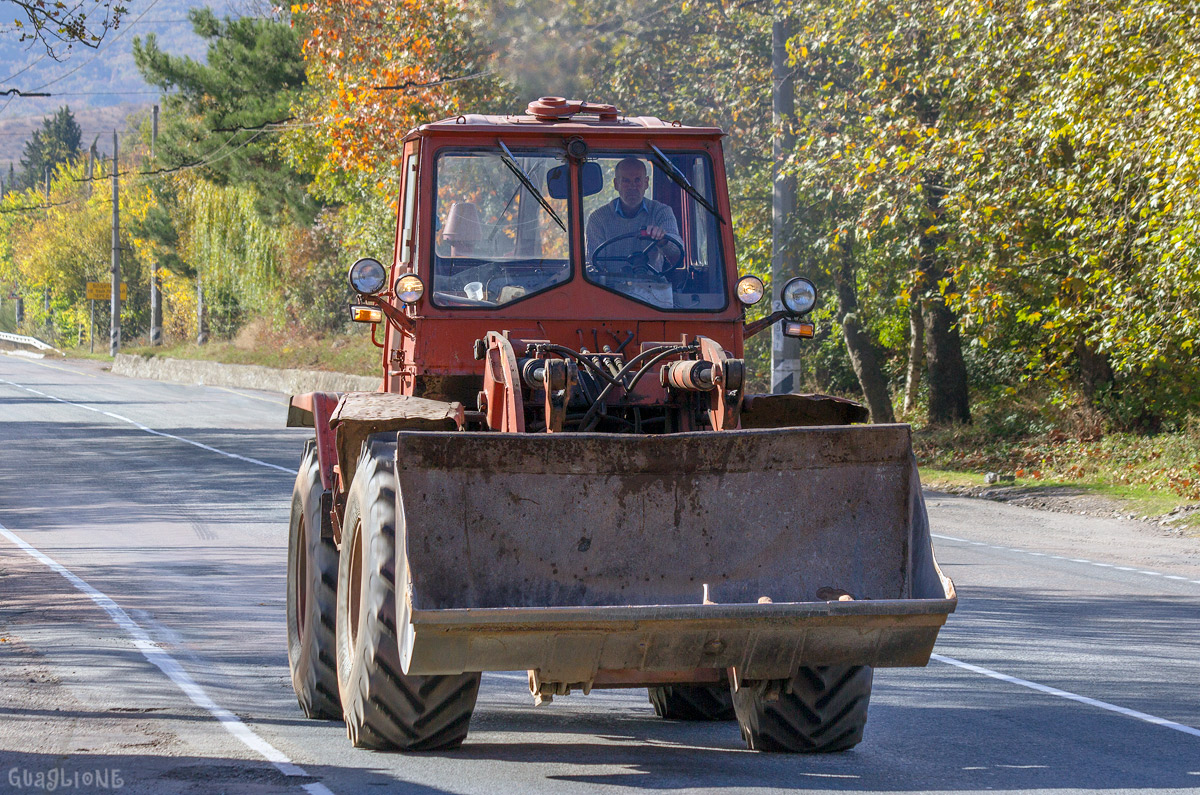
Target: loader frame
x: 580, y: 485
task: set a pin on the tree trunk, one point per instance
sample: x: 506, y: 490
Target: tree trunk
x: 858, y: 343
x: 916, y: 352
x: 1094, y: 370
x: 949, y: 401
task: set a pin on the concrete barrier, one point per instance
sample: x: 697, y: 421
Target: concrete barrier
x: 243, y: 376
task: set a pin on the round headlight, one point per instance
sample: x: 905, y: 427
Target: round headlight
x: 409, y: 288
x: 799, y: 296
x: 367, y: 276
x: 750, y: 290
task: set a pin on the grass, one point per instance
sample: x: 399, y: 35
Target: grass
x: 349, y: 353
x: 1149, y: 475
x: 1140, y: 500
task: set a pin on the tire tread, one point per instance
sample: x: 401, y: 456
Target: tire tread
x: 385, y: 708
x: 693, y: 702
x: 818, y: 710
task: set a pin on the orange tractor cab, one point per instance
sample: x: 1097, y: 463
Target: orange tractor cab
x: 562, y: 472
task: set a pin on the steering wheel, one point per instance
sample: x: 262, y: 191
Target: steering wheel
x: 641, y: 259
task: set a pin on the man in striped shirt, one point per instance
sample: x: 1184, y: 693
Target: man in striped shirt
x: 632, y: 212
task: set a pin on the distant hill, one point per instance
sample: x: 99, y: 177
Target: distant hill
x: 103, y: 86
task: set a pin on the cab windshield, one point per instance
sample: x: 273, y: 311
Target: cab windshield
x: 652, y: 230
x: 501, y: 226
x: 497, y: 228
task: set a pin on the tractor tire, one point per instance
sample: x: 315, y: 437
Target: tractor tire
x: 693, y: 702
x: 383, y: 707
x: 312, y: 572
x: 819, y: 710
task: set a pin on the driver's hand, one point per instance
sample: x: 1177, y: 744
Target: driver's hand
x: 654, y: 232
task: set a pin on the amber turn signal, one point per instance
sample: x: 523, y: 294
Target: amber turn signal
x: 794, y: 328
x: 366, y: 314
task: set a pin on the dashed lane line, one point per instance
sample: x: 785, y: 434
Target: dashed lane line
x: 141, y: 427
x: 239, y: 393
x: 173, y: 670
x: 1112, y: 566
x: 59, y: 367
x: 1054, y: 691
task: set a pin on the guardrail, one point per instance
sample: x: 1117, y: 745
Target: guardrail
x: 34, y: 342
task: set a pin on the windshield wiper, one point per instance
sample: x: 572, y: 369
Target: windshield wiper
x: 510, y: 161
x: 679, y: 179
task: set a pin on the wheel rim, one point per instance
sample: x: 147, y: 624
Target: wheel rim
x: 301, y: 582
x: 354, y: 590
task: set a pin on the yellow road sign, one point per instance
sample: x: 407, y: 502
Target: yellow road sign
x: 102, y: 291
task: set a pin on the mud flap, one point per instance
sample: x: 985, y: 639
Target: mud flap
x: 571, y: 553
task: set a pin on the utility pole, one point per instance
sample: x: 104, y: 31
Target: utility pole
x: 201, y: 326
x: 46, y: 295
x: 155, y: 283
x: 785, y: 351
x: 114, y: 344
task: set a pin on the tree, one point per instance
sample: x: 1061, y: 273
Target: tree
x: 1075, y: 197
x: 871, y: 82
x: 59, y: 24
x: 224, y: 113
x: 56, y: 143
x: 701, y: 63
x: 378, y: 68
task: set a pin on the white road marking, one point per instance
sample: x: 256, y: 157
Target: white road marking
x: 272, y: 401
x: 141, y: 427
x: 173, y: 670
x: 1069, y: 560
x: 64, y: 369
x: 1054, y: 691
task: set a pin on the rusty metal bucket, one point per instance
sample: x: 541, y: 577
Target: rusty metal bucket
x: 573, y: 553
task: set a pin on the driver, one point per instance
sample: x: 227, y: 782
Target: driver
x: 631, y: 212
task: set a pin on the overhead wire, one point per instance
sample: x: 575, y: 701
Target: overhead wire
x: 20, y: 72
x: 100, y: 51
x: 409, y: 84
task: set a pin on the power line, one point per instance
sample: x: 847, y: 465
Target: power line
x: 36, y: 61
x: 209, y: 160
x: 48, y: 205
x: 99, y: 52
x: 408, y: 84
x: 91, y: 93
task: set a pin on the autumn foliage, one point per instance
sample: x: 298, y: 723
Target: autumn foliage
x: 378, y: 68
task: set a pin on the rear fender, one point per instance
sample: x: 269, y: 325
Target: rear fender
x: 313, y: 410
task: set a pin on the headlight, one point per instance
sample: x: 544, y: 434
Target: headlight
x: 750, y: 290
x: 799, y: 296
x: 409, y: 288
x: 367, y: 276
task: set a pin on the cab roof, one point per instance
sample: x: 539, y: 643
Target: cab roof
x: 566, y: 117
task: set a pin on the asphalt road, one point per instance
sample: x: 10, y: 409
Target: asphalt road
x: 143, y: 531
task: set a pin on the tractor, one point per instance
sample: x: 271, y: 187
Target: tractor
x: 562, y: 471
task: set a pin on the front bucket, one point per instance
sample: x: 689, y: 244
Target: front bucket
x: 542, y: 551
